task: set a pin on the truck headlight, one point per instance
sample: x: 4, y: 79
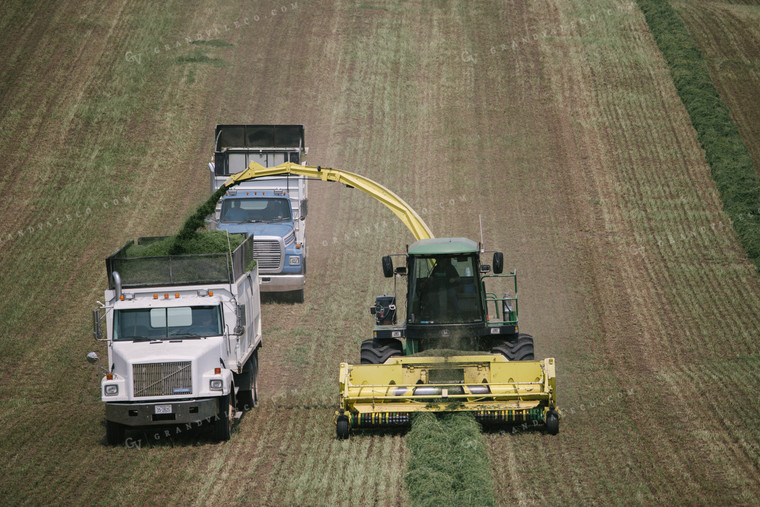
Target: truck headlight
x: 294, y: 260
x: 111, y: 389
x: 215, y: 384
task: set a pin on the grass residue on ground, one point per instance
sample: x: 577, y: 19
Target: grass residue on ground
x: 730, y: 162
x: 449, y: 463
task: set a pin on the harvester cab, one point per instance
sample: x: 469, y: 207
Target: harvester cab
x: 450, y: 304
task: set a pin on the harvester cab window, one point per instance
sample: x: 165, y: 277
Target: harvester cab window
x: 167, y: 323
x: 444, y: 290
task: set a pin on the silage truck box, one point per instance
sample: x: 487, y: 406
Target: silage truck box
x: 273, y: 209
x: 183, y: 334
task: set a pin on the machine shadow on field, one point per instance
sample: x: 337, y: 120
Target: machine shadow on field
x: 177, y: 435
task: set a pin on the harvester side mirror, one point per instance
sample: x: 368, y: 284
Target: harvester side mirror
x: 387, y: 266
x: 498, y: 262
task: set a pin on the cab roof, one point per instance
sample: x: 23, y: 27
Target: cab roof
x: 443, y: 246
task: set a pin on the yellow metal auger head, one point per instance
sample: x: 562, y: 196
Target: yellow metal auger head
x: 495, y: 390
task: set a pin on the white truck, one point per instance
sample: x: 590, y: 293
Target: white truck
x: 272, y: 209
x: 183, y: 334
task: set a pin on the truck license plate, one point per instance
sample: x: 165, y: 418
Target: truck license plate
x: 163, y: 409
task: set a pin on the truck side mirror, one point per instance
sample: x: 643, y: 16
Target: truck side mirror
x: 498, y: 262
x: 304, y: 209
x: 387, y: 266
x: 240, y: 325
x: 96, y: 331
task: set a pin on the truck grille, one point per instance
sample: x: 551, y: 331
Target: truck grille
x: 163, y: 379
x: 268, y: 254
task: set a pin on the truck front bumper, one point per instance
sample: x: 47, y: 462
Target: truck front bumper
x: 163, y: 412
x: 281, y: 283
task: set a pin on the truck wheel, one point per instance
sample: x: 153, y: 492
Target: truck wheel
x: 514, y: 349
x: 255, y: 380
x: 298, y: 296
x: 379, y: 351
x: 248, y: 399
x: 223, y: 424
x: 341, y: 427
x: 114, y: 433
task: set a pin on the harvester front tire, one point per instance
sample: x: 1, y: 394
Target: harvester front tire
x: 552, y: 423
x: 114, y: 433
x: 341, y: 428
x: 516, y: 349
x: 379, y: 351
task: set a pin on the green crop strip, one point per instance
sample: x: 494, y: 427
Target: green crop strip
x: 730, y: 162
x: 449, y: 463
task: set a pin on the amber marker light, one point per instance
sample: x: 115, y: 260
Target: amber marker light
x: 217, y: 371
x: 155, y: 296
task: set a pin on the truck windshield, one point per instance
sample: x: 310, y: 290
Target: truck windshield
x: 260, y: 209
x: 444, y: 290
x: 167, y: 323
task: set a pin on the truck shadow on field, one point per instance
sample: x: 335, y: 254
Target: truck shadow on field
x: 288, y: 298
x: 175, y: 435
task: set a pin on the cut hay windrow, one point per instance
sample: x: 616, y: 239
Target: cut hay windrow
x: 730, y: 162
x: 449, y: 464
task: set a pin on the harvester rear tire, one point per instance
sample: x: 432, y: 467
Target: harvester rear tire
x: 515, y: 349
x: 379, y: 351
x: 341, y: 428
x: 552, y: 423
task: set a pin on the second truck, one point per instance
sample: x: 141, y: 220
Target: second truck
x: 272, y: 209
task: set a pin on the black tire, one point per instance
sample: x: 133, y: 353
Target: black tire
x: 115, y: 433
x: 298, y: 296
x: 341, y: 427
x: 222, y: 428
x: 379, y: 351
x: 248, y: 399
x: 255, y: 379
x: 552, y: 422
x: 514, y: 349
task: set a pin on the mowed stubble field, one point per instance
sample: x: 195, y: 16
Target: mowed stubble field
x: 569, y: 139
